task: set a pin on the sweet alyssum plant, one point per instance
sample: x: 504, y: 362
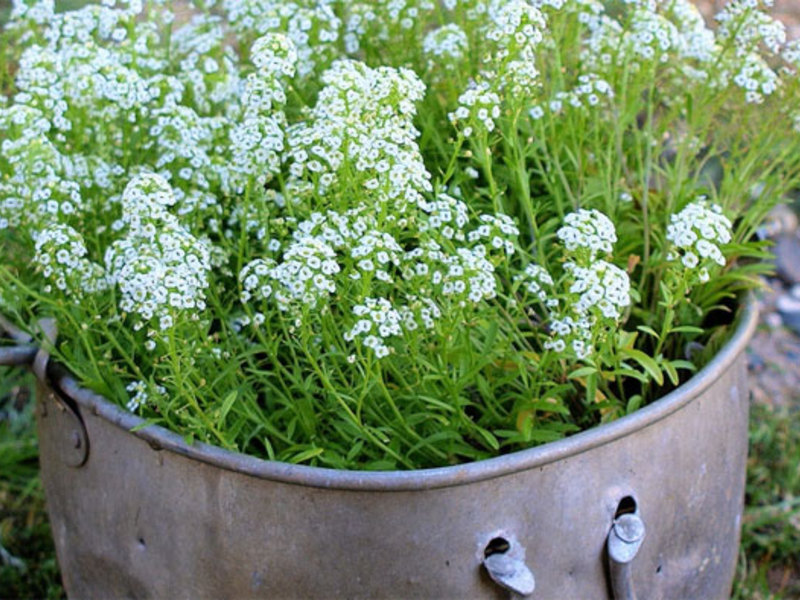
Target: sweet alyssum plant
x: 382, y: 235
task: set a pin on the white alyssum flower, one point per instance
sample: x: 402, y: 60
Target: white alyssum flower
x: 142, y: 393
x: 539, y: 283
x: 377, y: 321
x: 478, y: 109
x: 312, y: 27
x: 590, y: 230
x: 589, y: 92
x: 445, y: 47
x: 603, y: 288
x: 595, y: 293
x: 747, y: 24
x: 61, y: 256
x: 384, y: 23
x: 257, y: 142
x: 696, y: 233
x: 362, y: 123
x: 517, y: 27
x: 161, y: 269
x: 756, y: 78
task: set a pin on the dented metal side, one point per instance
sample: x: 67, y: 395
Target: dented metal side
x: 146, y: 516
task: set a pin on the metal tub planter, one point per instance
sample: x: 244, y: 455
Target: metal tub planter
x: 648, y: 506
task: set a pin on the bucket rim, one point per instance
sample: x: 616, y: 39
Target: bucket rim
x: 161, y: 439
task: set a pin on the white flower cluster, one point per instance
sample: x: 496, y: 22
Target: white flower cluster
x: 257, y: 142
x: 756, y: 78
x: 61, y: 256
x: 601, y: 48
x: 445, y: 47
x: 601, y: 287
x: 181, y: 141
x: 209, y: 68
x: 652, y: 37
x: 142, y: 392
x: 747, y: 24
x: 591, y: 299
x: 305, y: 273
x: 378, y: 321
x: 587, y: 230
x: 698, y: 41
x: 516, y: 27
x: 498, y: 231
x: 362, y: 122
x: 478, y: 108
x: 464, y: 276
x: 672, y: 34
x: 160, y: 268
x: 359, y: 259
x: 587, y: 94
x: 388, y: 23
x: 446, y: 214
x: 697, y: 232
x: 539, y: 283
x: 38, y: 184
x: 113, y: 64
x: 311, y: 25
x: 791, y: 54
x: 589, y: 7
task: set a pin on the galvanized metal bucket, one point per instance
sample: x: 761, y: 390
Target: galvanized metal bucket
x: 648, y: 506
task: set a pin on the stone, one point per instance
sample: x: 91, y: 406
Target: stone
x: 780, y: 220
x: 789, y: 309
x: 773, y: 320
x: 787, y: 258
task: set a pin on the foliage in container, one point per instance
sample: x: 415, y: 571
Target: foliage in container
x: 388, y: 234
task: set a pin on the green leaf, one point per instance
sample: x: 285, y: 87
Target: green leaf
x: 686, y: 329
x: 672, y: 372
x: 306, y: 455
x: 227, y: 404
x: 491, y: 335
x: 683, y: 364
x: 490, y: 440
x: 649, y: 330
x: 634, y: 402
x: 430, y: 400
x: 646, y: 362
x: 582, y: 372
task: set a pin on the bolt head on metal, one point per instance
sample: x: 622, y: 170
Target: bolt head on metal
x: 626, y: 537
x: 629, y: 527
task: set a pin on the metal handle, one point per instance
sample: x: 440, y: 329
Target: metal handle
x: 505, y: 562
x: 17, y: 356
x: 624, y: 540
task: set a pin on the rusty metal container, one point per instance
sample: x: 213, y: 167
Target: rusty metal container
x: 648, y: 506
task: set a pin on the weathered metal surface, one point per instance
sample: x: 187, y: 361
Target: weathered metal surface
x: 149, y: 516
